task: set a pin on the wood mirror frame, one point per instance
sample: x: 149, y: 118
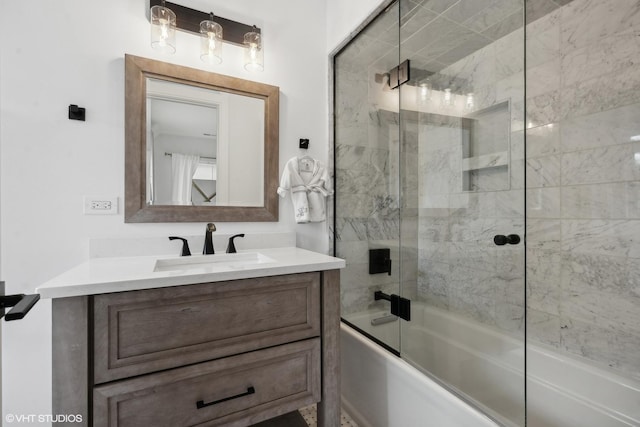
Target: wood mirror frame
x: 136, y: 209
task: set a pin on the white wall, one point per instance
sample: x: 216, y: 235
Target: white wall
x: 47, y: 162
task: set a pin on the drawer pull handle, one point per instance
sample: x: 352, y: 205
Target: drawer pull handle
x: 200, y: 403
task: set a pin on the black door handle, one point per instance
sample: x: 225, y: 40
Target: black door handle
x: 21, y: 304
x: 513, y: 239
x: 501, y: 240
x: 200, y: 403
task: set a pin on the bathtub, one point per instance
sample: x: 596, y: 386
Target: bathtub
x: 382, y: 390
x: 481, y: 363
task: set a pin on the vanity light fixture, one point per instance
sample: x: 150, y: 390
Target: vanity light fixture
x: 211, y: 41
x: 163, y: 28
x: 212, y: 31
x: 253, y: 53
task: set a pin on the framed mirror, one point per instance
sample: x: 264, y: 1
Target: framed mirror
x: 199, y: 146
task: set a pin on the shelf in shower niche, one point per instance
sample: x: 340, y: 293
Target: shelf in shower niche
x: 486, y: 145
x: 485, y: 161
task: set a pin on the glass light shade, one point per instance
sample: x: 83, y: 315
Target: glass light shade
x: 447, y: 98
x: 211, y: 42
x: 425, y: 91
x: 253, y: 52
x: 470, y: 102
x: 163, y: 29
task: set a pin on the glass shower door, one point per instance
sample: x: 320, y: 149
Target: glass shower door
x: 462, y: 199
x: 367, y: 214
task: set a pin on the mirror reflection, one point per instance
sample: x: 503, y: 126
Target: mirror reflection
x: 204, y: 147
x: 213, y: 137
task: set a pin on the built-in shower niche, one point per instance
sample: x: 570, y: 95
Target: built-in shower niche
x: 486, y: 149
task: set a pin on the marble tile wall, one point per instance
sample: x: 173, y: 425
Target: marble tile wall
x: 582, y: 186
x: 367, y: 135
x: 459, y: 267
x: 582, y: 189
x: 583, y: 175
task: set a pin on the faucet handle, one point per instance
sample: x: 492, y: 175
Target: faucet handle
x: 185, y: 245
x: 208, y: 240
x: 231, y: 247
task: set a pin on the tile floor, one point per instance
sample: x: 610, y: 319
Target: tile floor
x: 309, y: 415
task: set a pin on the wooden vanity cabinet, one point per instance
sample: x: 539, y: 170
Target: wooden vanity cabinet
x: 216, y: 354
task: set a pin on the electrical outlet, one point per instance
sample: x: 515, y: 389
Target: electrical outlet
x: 97, y: 205
x: 100, y: 205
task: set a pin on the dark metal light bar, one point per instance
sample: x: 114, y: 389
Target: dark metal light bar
x: 188, y: 20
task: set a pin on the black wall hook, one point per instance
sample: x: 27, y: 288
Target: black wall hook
x: 76, y: 113
x: 304, y: 143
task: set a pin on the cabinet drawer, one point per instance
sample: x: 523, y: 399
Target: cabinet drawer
x: 139, y: 332
x: 233, y: 391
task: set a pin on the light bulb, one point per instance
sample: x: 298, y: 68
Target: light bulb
x: 164, y: 32
x: 447, y: 98
x: 425, y: 91
x: 470, y: 102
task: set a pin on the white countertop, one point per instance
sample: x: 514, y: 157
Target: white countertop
x: 119, y: 274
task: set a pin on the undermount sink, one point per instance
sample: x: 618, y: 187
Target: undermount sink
x: 212, y: 262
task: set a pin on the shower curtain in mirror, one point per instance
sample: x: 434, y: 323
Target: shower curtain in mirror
x: 183, y: 166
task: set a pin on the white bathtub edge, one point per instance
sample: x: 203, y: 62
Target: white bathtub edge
x: 458, y: 409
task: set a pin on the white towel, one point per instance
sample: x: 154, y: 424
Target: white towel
x: 309, y: 184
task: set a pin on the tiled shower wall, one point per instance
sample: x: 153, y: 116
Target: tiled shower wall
x: 368, y: 215
x: 582, y: 188
x: 366, y: 171
x: 460, y: 269
x: 583, y: 181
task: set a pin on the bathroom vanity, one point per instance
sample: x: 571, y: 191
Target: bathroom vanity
x: 229, y: 339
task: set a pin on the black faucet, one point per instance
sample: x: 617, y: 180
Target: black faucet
x: 185, y: 245
x: 231, y: 247
x: 208, y: 240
